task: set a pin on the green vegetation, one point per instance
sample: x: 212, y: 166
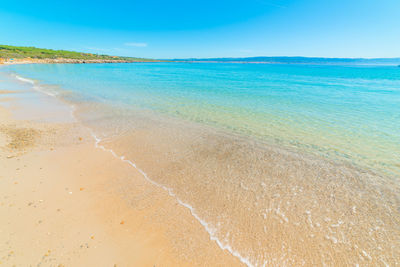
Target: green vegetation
x: 18, y: 52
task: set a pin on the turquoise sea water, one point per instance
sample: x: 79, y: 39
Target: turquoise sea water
x: 347, y: 112
x: 283, y: 165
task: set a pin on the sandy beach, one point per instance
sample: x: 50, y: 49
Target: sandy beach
x: 65, y: 202
x: 89, y: 180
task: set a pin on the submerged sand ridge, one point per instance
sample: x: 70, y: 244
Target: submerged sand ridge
x: 268, y: 204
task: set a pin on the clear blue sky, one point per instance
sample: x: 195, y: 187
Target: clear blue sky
x: 206, y: 28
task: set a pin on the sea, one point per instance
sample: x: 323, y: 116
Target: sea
x: 282, y: 164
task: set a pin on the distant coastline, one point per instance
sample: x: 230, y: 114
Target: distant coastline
x: 296, y: 60
x: 28, y: 55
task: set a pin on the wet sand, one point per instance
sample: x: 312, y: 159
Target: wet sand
x: 269, y: 205
x: 64, y: 202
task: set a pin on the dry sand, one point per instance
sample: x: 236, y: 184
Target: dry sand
x: 64, y: 202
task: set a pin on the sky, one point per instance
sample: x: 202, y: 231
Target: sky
x: 206, y: 28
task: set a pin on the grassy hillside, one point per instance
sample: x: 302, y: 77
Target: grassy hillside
x: 19, y: 52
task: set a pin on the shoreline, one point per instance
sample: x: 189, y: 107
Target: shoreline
x: 289, y: 225
x: 223, y: 246
x: 82, y: 206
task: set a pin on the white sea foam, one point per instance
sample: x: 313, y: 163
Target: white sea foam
x: 36, y: 86
x: 207, y: 226
x: 22, y: 79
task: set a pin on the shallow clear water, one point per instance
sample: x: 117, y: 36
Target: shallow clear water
x: 347, y: 111
x: 282, y: 164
